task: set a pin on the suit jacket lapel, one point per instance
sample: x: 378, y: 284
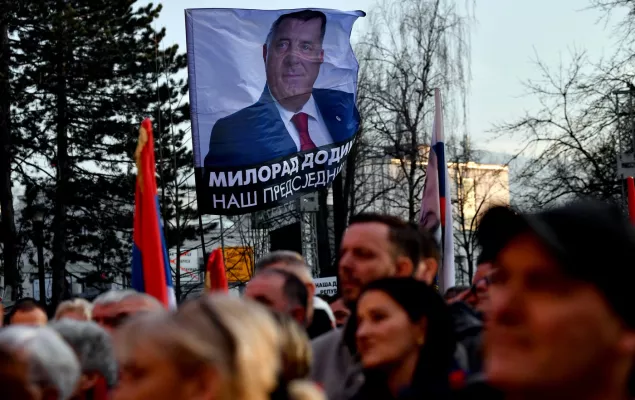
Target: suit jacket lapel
x: 333, y: 116
x: 278, y: 140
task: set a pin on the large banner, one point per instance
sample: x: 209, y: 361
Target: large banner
x: 272, y: 96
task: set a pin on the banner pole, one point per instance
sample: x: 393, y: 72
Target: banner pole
x: 630, y: 187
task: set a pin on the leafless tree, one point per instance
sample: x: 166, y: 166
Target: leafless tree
x: 411, y: 47
x: 583, y: 126
x: 476, y: 186
x: 573, y: 140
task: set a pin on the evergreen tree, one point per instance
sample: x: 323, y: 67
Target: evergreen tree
x: 88, y: 72
x: 8, y: 233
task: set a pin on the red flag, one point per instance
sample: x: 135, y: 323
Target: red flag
x: 150, y: 263
x: 631, y: 198
x: 215, y: 276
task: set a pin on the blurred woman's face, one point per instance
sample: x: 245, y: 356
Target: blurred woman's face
x: 148, y: 374
x: 385, y: 335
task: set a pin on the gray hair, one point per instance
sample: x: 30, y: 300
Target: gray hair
x: 51, y: 362
x: 81, y: 305
x: 93, y: 346
x: 286, y: 257
x: 117, y: 296
x: 303, y: 15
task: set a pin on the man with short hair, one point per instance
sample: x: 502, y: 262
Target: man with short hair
x: 53, y: 367
x: 340, y: 311
x: 290, y: 116
x: 430, y: 256
x: 95, y: 352
x: 561, y: 320
x: 112, y: 308
x: 319, y: 316
x: 27, y: 311
x: 281, y: 291
x: 374, y: 246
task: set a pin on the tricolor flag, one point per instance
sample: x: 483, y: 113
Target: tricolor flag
x: 215, y: 275
x: 436, y: 206
x: 150, y: 262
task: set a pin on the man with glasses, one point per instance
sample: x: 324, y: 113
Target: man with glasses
x: 480, y: 286
x: 112, y: 308
x: 476, y: 295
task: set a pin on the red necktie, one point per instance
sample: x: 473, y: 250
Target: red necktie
x: 301, y: 122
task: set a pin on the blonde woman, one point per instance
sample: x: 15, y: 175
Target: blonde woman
x: 214, y: 348
x: 296, y: 351
x: 77, y: 309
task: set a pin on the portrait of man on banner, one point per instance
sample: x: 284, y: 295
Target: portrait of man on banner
x: 291, y: 114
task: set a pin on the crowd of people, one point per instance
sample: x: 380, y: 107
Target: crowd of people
x: 548, y: 315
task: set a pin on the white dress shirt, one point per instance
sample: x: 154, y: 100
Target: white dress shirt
x: 317, y: 128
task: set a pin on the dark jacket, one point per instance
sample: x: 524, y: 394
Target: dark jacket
x: 320, y: 325
x: 257, y: 134
x: 468, y: 326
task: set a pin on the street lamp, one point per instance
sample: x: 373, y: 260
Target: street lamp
x: 38, y: 219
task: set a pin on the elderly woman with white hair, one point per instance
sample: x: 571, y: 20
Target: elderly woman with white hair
x: 94, y: 349
x: 79, y: 309
x: 53, y: 368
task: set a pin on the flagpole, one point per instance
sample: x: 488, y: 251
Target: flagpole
x: 222, y: 235
x: 200, y: 226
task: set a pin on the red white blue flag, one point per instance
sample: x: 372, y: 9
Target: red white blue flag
x: 150, y: 262
x: 436, y: 205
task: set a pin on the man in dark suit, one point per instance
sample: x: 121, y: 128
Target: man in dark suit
x: 291, y: 115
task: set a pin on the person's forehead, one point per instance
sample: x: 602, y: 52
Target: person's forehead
x: 525, y: 253
x: 299, y: 28
x: 266, y: 282
x: 376, y: 299
x: 73, y: 312
x: 300, y: 272
x: 34, y: 313
x: 482, y: 271
x: 339, y: 303
x: 128, y: 306
x: 367, y: 230
x: 103, y: 308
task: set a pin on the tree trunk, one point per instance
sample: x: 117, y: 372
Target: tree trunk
x: 8, y: 232
x: 58, y: 263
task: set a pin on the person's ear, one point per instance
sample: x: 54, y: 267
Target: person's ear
x: 299, y: 315
x: 627, y: 343
x: 204, y: 386
x: 420, y: 329
x: 310, y: 288
x: 264, y: 53
x: 321, y: 56
x: 429, y: 270
x: 49, y: 393
x: 88, y: 381
x: 404, y: 266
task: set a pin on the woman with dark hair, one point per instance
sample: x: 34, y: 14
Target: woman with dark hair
x: 405, y: 339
